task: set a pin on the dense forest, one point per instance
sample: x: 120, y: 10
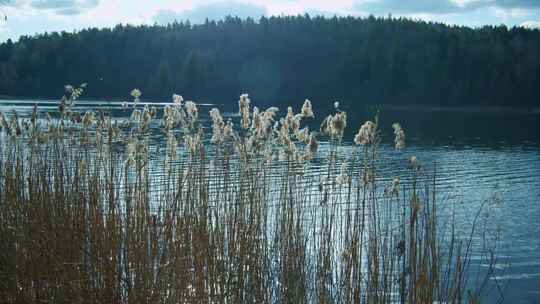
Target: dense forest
x: 283, y: 60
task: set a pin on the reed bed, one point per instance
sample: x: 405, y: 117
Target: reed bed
x: 93, y: 211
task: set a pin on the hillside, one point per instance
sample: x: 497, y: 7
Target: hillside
x: 284, y: 60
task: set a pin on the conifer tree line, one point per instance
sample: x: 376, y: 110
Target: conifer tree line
x: 284, y: 60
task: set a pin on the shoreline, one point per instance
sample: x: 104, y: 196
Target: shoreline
x: 459, y: 109
x: 383, y: 107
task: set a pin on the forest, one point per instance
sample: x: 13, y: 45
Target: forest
x: 283, y: 60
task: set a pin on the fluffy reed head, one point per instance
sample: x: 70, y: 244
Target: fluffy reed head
x: 366, y: 134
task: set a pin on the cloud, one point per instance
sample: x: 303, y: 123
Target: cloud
x: 12, y: 3
x: 411, y: 6
x: 440, y: 7
x: 165, y: 16
x: 68, y: 11
x: 533, y: 24
x: 313, y: 12
x: 52, y: 4
x: 517, y: 3
x: 214, y: 11
x: 60, y: 7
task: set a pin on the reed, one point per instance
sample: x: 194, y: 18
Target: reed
x: 94, y: 210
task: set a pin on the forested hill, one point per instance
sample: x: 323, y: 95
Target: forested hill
x: 283, y: 60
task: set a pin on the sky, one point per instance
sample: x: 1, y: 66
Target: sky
x: 28, y: 17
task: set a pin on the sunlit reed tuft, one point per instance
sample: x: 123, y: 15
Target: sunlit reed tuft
x: 259, y: 210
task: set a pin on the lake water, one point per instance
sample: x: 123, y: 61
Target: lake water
x: 478, y: 156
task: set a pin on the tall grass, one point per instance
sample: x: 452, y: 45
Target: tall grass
x: 93, y: 210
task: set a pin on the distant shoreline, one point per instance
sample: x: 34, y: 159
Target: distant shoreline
x: 24, y: 98
x: 383, y: 107
x: 459, y: 109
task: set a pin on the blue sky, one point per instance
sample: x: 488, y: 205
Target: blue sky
x: 27, y: 17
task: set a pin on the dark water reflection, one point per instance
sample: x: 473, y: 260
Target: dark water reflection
x: 477, y: 155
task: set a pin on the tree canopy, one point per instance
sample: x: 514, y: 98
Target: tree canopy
x: 282, y: 60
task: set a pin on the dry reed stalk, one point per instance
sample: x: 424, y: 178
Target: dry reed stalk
x: 89, y: 212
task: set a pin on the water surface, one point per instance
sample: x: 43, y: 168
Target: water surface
x: 477, y: 156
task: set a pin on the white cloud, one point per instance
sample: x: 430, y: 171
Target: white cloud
x: 442, y: 6
x: 213, y: 11
x: 61, y: 7
x: 506, y: 14
x: 294, y: 7
x: 531, y: 24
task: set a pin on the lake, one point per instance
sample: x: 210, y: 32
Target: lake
x: 477, y: 156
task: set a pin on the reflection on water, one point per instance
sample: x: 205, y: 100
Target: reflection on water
x: 477, y: 156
